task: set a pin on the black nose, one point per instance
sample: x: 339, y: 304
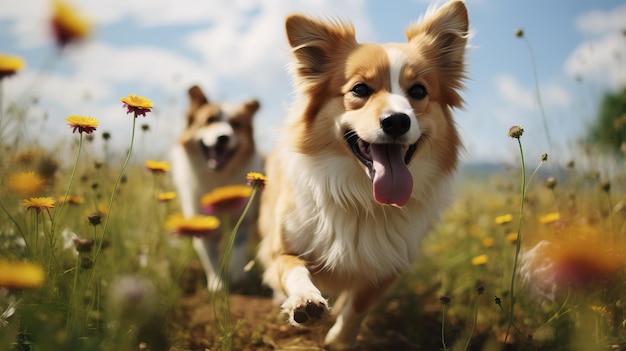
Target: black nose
x: 222, y: 139
x: 396, y: 124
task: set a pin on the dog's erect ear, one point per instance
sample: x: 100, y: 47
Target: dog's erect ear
x: 442, y: 34
x: 252, y: 106
x: 196, y: 99
x: 315, y: 44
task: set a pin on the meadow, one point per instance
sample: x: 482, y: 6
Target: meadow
x: 94, y: 254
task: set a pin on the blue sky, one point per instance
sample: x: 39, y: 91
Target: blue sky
x: 237, y: 50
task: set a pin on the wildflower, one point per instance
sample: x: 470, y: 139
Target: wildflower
x: 512, y: 237
x: 488, y: 242
x: 38, y: 203
x: 138, y: 105
x: 25, y: 183
x: 82, y: 124
x: 94, y: 219
x: 9, y: 65
x: 157, y: 167
x: 83, y: 245
x: 544, y: 157
x: 103, y: 209
x: 550, y: 183
x: 106, y: 136
x: 19, y: 275
x: 503, y: 219
x: 497, y: 300
x: 167, y: 196
x: 198, y: 226
x: 519, y: 33
x: 516, y: 132
x: 256, y: 180
x: 145, y: 127
x: 67, y: 24
x: 226, y: 199
x: 445, y: 300
x: 550, y: 218
x: 479, y: 260
x: 73, y: 200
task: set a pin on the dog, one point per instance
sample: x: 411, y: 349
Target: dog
x: 363, y: 167
x: 215, y: 149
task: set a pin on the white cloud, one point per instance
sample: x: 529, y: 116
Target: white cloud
x: 600, y: 22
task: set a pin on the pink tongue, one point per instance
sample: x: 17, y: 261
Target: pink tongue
x: 393, y: 182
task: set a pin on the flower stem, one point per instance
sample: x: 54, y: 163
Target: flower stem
x: 113, y: 192
x: 518, y: 243
x: 538, y: 94
x: 69, y: 185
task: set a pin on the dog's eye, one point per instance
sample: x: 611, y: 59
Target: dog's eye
x: 361, y: 90
x: 417, y: 91
x: 212, y: 119
x: 235, y: 124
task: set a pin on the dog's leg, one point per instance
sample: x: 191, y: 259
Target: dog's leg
x: 305, y: 304
x: 342, y: 335
x: 208, y: 253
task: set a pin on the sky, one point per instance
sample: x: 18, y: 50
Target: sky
x: 237, y: 50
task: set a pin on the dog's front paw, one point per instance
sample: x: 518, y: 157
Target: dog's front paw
x: 305, y: 310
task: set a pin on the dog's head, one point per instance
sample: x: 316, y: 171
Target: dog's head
x: 386, y: 105
x: 221, y: 132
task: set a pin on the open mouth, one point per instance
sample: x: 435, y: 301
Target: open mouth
x: 387, y: 165
x: 217, y: 156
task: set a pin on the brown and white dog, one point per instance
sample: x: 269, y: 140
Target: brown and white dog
x: 364, y: 165
x: 216, y: 149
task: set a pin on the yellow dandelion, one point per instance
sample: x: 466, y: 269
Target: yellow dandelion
x: 67, y: 24
x: 488, y: 242
x: 512, y: 237
x: 480, y: 260
x: 157, y: 166
x: 25, y: 183
x: 198, y: 226
x: 550, y: 218
x: 103, y: 209
x: 226, y: 199
x: 82, y: 124
x: 167, y: 196
x: 20, y: 275
x: 9, y: 65
x: 38, y: 203
x: 256, y: 180
x: 503, y: 219
x: 138, y: 105
x: 72, y: 200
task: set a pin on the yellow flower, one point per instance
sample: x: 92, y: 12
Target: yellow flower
x: 226, y: 199
x: 9, y: 65
x: 480, y: 260
x: 157, y: 166
x: 82, y: 124
x: 198, y: 226
x: 38, y: 203
x: 138, y: 105
x: 73, y: 200
x: 25, y: 183
x: 488, y: 242
x: 19, y: 275
x: 168, y: 196
x: 550, y: 218
x: 256, y: 180
x: 504, y: 219
x: 67, y: 24
x: 512, y: 237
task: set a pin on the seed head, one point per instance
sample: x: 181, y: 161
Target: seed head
x: 516, y: 132
x: 519, y: 33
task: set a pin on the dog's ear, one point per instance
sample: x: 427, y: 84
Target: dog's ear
x: 442, y: 35
x: 252, y: 106
x: 196, y: 100
x: 316, y: 44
